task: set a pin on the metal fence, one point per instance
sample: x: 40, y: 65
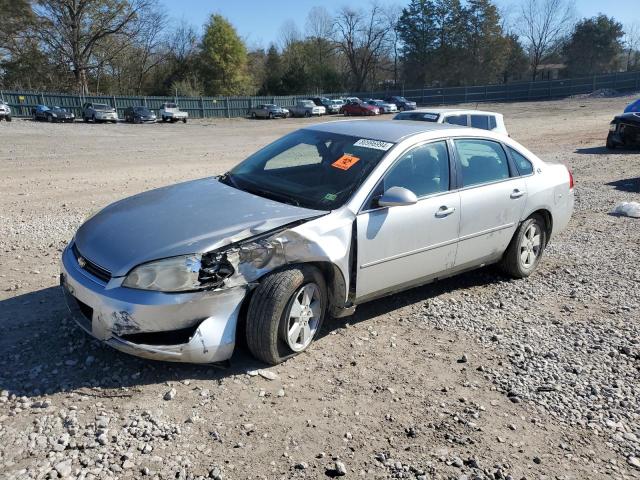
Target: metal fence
x: 229, y: 107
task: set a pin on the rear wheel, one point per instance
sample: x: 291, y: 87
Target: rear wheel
x: 253, y: 115
x: 307, y: 114
x: 8, y: 118
x: 526, y: 248
x: 285, y: 313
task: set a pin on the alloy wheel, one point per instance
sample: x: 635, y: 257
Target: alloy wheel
x: 530, y: 246
x: 303, y: 317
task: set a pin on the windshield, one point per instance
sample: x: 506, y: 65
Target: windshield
x: 142, y: 110
x: 308, y: 103
x: 419, y: 116
x: 59, y: 109
x: 337, y: 102
x: 101, y: 106
x: 308, y: 168
x: 400, y: 99
x: 170, y: 105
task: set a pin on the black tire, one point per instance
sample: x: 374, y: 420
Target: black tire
x: 610, y: 145
x: 512, y: 263
x: 307, y: 114
x: 270, y: 116
x: 253, y: 115
x: 8, y: 118
x: 49, y: 118
x: 85, y: 119
x: 184, y: 120
x: 268, y: 312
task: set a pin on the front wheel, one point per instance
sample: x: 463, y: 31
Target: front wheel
x: 610, y: 145
x: 8, y: 118
x: 285, y: 313
x: 526, y: 248
x: 184, y: 120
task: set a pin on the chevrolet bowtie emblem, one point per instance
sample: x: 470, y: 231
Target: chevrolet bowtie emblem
x: 82, y: 262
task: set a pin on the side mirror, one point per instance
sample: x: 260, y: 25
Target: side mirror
x: 397, y: 197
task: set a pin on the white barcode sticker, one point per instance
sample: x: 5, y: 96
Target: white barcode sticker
x: 375, y: 144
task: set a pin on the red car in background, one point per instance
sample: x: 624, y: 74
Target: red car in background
x: 359, y: 108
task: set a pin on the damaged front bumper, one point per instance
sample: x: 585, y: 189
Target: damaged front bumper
x: 194, y: 327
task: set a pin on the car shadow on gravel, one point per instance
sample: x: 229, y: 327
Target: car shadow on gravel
x: 418, y: 295
x: 44, y: 352
x: 627, y: 185
x: 606, y: 151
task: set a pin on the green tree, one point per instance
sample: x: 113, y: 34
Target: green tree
x: 419, y: 38
x: 594, y: 46
x: 516, y: 60
x: 224, y: 58
x: 273, y: 73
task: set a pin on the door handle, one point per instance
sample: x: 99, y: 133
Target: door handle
x: 445, y: 211
x: 517, y: 193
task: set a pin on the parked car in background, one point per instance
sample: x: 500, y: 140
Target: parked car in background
x: 327, y: 103
x: 382, y: 105
x: 5, y: 111
x: 465, y: 118
x: 633, y: 107
x: 306, y: 108
x: 275, y: 243
x: 268, y: 110
x: 359, y: 108
x: 170, y: 112
x: 339, y: 102
x: 402, y: 103
x: 139, y: 114
x: 99, y: 112
x: 55, y: 114
x: 624, y: 131
x: 352, y: 100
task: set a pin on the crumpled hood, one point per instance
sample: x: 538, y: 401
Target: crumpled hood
x: 191, y: 217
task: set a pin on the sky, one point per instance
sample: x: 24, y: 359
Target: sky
x: 259, y: 21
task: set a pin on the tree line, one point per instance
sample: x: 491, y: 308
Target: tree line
x: 133, y: 47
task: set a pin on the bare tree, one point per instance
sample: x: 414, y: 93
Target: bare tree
x: 392, y: 15
x: 543, y: 23
x: 289, y: 34
x: 72, y: 29
x: 632, y: 43
x: 362, y: 38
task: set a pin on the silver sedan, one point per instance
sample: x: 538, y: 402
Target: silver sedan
x: 324, y: 219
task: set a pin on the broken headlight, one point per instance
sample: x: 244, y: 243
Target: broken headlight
x: 180, y: 274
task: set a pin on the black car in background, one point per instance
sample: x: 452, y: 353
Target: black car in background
x: 402, y: 103
x: 53, y: 114
x: 624, y: 131
x: 139, y: 114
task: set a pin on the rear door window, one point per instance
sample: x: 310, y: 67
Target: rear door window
x: 457, y: 120
x: 492, y: 122
x: 481, y: 161
x: 480, y: 121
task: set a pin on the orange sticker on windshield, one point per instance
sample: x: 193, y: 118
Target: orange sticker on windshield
x: 345, y: 162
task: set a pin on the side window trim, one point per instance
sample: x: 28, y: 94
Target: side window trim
x: 513, y: 171
x: 366, y: 206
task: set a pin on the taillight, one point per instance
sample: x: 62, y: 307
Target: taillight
x: 570, y: 179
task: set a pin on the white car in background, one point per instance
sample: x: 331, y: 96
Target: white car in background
x: 5, y: 111
x: 491, y: 121
x: 170, y: 112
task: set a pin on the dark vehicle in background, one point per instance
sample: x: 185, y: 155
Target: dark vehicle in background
x: 5, y: 111
x: 99, y: 112
x: 268, y: 110
x: 139, y: 114
x: 55, y: 114
x: 354, y: 108
x: 402, y: 103
x: 329, y: 105
x: 624, y: 131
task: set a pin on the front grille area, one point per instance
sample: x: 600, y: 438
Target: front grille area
x: 91, y: 267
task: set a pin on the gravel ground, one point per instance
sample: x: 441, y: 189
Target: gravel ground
x: 476, y: 377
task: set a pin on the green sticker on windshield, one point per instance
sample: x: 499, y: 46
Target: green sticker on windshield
x: 330, y: 197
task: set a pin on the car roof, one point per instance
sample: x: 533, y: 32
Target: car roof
x: 384, y: 130
x: 455, y: 110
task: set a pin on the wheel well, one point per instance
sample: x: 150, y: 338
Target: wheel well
x: 548, y: 220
